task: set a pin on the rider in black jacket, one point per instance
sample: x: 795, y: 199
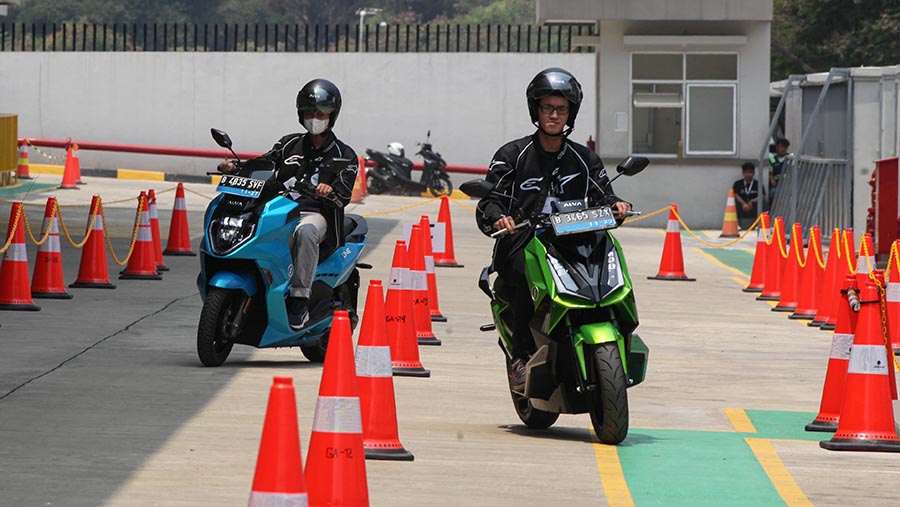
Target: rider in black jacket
x: 528, y: 175
x: 309, y: 157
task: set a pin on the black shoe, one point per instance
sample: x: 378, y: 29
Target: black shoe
x: 297, y: 313
x: 517, y: 375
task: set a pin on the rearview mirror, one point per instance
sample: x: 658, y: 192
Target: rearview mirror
x: 632, y: 165
x: 221, y: 138
x: 476, y: 188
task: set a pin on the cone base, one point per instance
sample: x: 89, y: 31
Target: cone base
x: 400, y: 454
x: 162, y: 267
x: 846, y: 444
x: 67, y: 187
x: 453, y: 264
x: 784, y: 308
x: 802, y: 316
x: 683, y: 278
x: 817, y: 425
x: 24, y: 307
x: 768, y: 298
x: 827, y: 327
x: 729, y: 235
x: 438, y: 318
x: 130, y: 276
x: 411, y: 372
x: 51, y: 295
x: 180, y: 252
x: 92, y: 285
x: 816, y: 323
x: 429, y: 340
x: 752, y: 289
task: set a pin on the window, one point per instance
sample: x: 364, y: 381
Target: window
x: 684, y: 103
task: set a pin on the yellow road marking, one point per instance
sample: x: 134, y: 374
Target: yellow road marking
x: 739, y: 420
x: 132, y: 174
x: 781, y: 478
x: 719, y: 263
x: 611, y: 476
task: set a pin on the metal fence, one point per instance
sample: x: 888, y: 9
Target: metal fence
x: 293, y: 38
x: 815, y: 191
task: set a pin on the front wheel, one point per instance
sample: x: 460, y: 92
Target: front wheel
x: 441, y: 185
x: 217, y: 331
x: 609, y: 406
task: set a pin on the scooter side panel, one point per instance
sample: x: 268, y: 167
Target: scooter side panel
x: 336, y: 269
x: 230, y: 280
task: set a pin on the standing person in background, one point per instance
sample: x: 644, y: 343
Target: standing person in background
x: 746, y: 196
x: 776, y: 161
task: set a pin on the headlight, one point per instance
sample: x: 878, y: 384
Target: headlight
x: 227, y: 233
x: 565, y: 284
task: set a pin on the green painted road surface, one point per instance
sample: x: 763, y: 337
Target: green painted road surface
x: 738, y: 259
x: 23, y: 188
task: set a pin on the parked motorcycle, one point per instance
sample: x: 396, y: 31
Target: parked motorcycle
x: 393, y: 171
x: 584, y: 319
x: 246, y: 266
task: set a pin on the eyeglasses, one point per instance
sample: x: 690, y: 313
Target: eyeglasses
x: 548, y: 109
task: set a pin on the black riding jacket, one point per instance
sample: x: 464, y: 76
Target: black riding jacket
x: 518, y: 171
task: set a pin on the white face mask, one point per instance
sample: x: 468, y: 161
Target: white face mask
x: 315, y: 126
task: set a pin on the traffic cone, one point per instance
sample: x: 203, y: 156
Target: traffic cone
x: 774, y: 261
x: 381, y: 439
x: 730, y: 224
x: 142, y: 263
x: 841, y: 344
x: 447, y: 258
x: 70, y: 178
x: 829, y: 280
x: 154, y: 231
x: 892, y: 295
x: 865, y: 263
x: 15, y: 293
x: 279, y: 480
x: 335, y: 462
x: 357, y: 195
x: 793, y: 268
x: 400, y: 318
x: 93, y: 272
x: 48, y: 280
x: 421, y: 307
x: 22, y: 168
x: 671, y: 266
x: 843, y: 269
x: 179, y: 242
x: 433, y: 305
x: 811, y: 278
x: 77, y: 162
x: 758, y: 273
x: 362, y: 172
x: 867, y: 417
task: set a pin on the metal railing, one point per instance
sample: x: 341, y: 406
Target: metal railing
x: 331, y: 38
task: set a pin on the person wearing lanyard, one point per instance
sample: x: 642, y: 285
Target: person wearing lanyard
x: 746, y: 196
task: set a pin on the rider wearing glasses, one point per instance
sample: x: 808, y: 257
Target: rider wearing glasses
x: 529, y: 175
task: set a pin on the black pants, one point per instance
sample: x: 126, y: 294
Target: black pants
x: 515, y: 290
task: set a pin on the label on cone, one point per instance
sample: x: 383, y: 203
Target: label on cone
x: 337, y: 414
x: 399, y: 278
x: 868, y: 359
x: 373, y: 361
x: 892, y: 292
x: 841, y: 345
x: 258, y: 499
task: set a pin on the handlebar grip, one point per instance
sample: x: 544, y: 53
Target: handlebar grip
x: 633, y: 214
x: 505, y: 232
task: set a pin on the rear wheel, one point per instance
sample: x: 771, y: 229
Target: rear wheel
x: 609, y: 406
x: 441, y: 185
x: 315, y: 352
x: 217, y: 332
x: 374, y: 185
x: 532, y: 417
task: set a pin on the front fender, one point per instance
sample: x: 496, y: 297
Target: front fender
x: 228, y: 280
x: 595, y: 334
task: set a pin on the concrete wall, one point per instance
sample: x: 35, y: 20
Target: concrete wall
x: 570, y: 10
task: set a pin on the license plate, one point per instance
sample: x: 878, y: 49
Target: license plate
x: 573, y: 222
x: 238, y: 185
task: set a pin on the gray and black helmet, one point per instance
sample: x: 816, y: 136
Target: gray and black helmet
x: 554, y: 81
x: 320, y: 95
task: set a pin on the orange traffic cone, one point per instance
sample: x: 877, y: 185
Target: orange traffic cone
x: 381, y: 439
x: 278, y: 480
x: 93, y: 272
x: 447, y: 258
x: 865, y: 263
x: 867, y: 417
x: 22, y: 167
x: 70, y: 178
x: 843, y: 269
x: 829, y: 280
x: 400, y: 318
x: 154, y: 232
x: 811, y: 278
x: 792, y: 269
x: 336, y: 463
x: 730, y: 224
x: 841, y: 344
x: 15, y: 293
x: 433, y: 305
x: 77, y: 162
x: 357, y: 196
x: 48, y: 280
x: 671, y: 266
x: 892, y: 295
x: 179, y: 242
x: 362, y: 172
x: 774, y: 261
x: 758, y: 273
x: 142, y: 263
x: 421, y: 306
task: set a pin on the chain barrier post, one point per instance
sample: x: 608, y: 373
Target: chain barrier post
x: 758, y: 273
x: 48, y: 280
x: 811, y: 278
x: 93, y: 272
x: 671, y: 265
x: 793, y: 267
x: 15, y: 291
x: 774, y: 261
x: 844, y: 268
x: 142, y: 261
x: 830, y: 280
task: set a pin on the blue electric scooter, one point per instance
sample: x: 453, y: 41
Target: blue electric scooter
x: 246, y: 267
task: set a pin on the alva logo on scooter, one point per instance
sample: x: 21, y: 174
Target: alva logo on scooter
x: 392, y: 172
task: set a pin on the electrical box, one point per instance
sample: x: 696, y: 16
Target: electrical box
x: 886, y: 206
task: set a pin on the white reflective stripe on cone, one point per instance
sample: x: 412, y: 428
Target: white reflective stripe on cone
x: 399, y: 279
x: 179, y: 203
x: 144, y: 233
x: 761, y: 235
x: 16, y: 253
x: 429, y: 264
x: 145, y: 219
x: 868, y: 359
x: 260, y: 499
x: 841, y: 345
x: 419, y: 280
x: 892, y: 292
x: 153, y: 212
x: 98, y: 222
x: 373, y: 361
x: 862, y: 265
x: 52, y: 243
x: 337, y: 414
x: 672, y: 226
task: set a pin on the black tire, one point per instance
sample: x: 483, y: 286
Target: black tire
x: 441, y: 185
x: 609, y: 407
x: 214, y: 338
x: 530, y: 416
x: 374, y: 185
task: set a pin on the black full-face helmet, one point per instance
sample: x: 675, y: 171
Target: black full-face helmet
x: 320, y: 95
x: 554, y: 81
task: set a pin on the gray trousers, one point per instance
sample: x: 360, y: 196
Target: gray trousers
x: 308, y: 234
